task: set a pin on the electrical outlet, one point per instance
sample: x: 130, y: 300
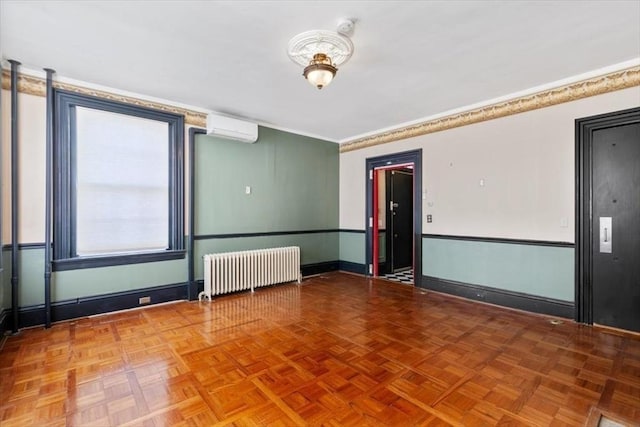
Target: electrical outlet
x: 144, y: 300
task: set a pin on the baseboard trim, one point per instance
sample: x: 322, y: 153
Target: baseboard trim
x: 352, y: 267
x: 518, y: 300
x: 4, y: 322
x: 88, y: 306
x: 319, y: 268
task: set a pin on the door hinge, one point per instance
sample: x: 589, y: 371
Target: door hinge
x: 370, y: 222
x: 370, y: 173
x: 371, y: 269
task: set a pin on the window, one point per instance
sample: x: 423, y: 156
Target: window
x: 118, y: 192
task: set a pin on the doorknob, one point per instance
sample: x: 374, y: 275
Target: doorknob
x: 606, y: 234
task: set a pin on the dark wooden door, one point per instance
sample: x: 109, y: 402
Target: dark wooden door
x: 401, y: 224
x: 615, y: 234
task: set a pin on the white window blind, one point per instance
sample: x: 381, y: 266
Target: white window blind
x: 121, y: 183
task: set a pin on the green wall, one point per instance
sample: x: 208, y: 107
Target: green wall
x: 294, y: 184
x: 546, y: 271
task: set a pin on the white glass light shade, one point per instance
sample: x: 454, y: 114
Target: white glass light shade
x: 319, y: 77
x: 320, y: 71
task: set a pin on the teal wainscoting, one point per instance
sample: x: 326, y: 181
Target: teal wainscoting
x: 540, y: 270
x: 352, y: 246
x: 352, y: 251
x: 5, y: 299
x: 88, y: 282
x: 5, y: 281
x: 120, y: 278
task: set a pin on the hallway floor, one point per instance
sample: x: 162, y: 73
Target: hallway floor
x: 404, y: 277
x: 340, y: 349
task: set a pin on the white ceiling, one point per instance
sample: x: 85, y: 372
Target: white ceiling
x: 411, y: 59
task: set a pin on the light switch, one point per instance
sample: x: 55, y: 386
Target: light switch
x: 247, y: 190
x: 564, y: 222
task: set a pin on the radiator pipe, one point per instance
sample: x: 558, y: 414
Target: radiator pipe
x: 14, y: 195
x: 192, y: 291
x: 48, y: 200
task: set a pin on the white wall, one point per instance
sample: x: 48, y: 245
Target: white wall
x: 32, y: 156
x: 526, y: 162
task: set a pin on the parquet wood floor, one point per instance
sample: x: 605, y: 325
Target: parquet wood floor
x: 338, y: 350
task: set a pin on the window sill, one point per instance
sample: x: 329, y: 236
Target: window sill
x: 112, y: 260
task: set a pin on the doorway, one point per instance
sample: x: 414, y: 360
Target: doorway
x: 608, y: 220
x: 394, y: 201
x: 398, y: 208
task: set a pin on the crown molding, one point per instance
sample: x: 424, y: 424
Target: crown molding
x: 32, y: 85
x: 610, y: 82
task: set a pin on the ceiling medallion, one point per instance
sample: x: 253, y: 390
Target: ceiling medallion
x: 321, y: 52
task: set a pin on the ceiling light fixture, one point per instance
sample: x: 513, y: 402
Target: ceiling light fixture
x: 320, y: 71
x: 321, y: 52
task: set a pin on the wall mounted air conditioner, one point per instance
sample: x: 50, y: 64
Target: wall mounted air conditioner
x: 229, y: 128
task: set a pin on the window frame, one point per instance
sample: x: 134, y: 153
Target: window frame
x: 64, y: 197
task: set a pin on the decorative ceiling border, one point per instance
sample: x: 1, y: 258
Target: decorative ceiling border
x: 37, y: 86
x: 572, y: 92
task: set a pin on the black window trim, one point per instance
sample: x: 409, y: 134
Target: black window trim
x: 64, y: 231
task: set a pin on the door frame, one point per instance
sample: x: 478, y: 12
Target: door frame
x: 584, y: 129
x: 390, y: 160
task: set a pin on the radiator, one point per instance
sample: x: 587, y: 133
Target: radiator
x: 241, y: 271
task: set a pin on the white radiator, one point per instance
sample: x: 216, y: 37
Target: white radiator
x: 241, y: 271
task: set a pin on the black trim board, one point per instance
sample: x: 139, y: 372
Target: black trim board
x: 5, y: 319
x: 518, y: 300
x: 319, y: 268
x: 350, y: 230
x: 23, y: 246
x: 109, y: 261
x: 87, y: 306
x: 262, y: 233
x: 352, y: 267
x: 501, y: 240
